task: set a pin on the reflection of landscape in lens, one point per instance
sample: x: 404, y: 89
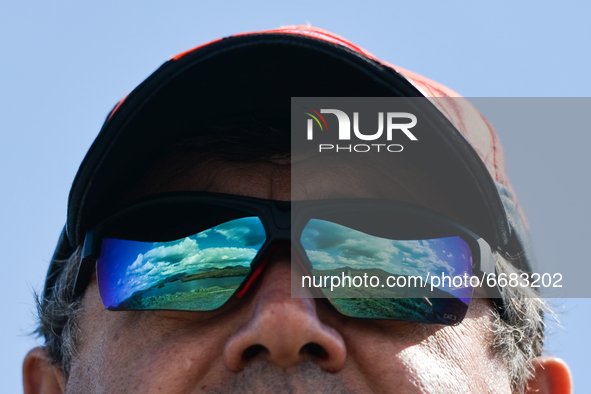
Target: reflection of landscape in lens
x: 199, y: 272
x: 421, y: 310
x: 337, y: 250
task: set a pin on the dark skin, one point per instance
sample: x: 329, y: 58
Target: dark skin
x: 261, y: 343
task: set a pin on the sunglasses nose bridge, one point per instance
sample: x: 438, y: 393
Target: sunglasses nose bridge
x: 280, y: 236
x: 281, y: 212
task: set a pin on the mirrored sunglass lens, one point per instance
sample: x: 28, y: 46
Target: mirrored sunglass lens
x: 196, y: 273
x: 381, y: 278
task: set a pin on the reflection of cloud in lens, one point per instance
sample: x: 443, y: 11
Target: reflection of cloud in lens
x: 321, y: 260
x: 349, y: 247
x: 184, y: 256
x: 172, y: 253
x: 245, y: 231
x: 230, y: 244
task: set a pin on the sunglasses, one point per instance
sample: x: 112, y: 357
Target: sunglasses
x: 194, y: 251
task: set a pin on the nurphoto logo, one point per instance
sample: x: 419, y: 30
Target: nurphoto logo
x: 395, y: 122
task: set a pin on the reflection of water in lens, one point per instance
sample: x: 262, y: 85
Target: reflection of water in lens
x: 192, y: 295
x: 197, y: 284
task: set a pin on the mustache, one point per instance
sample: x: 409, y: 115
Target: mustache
x: 262, y: 377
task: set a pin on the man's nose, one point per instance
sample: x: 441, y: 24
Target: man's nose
x: 281, y: 329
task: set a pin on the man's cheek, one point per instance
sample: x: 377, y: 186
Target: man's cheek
x: 146, y: 360
x: 431, y: 372
x: 374, y: 353
x: 129, y: 351
x: 457, y: 360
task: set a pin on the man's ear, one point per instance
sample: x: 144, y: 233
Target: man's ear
x: 39, y: 376
x: 551, y: 376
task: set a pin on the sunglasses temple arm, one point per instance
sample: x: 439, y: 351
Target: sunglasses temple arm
x: 85, y: 268
x: 488, y: 266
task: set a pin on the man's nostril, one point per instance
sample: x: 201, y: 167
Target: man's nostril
x: 314, y: 350
x: 253, y: 351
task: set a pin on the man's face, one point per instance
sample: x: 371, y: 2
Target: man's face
x: 268, y: 342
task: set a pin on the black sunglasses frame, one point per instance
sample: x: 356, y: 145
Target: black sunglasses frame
x: 283, y: 222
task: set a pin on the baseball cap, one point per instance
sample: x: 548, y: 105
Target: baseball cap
x: 257, y: 73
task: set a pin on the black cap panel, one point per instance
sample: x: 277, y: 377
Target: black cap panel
x: 244, y: 76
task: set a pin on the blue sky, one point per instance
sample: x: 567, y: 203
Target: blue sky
x: 66, y: 64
